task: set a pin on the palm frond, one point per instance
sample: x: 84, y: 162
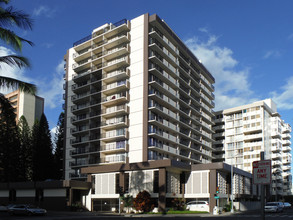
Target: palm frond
x: 14, y: 60
x: 10, y: 38
x: 10, y: 17
x: 10, y: 83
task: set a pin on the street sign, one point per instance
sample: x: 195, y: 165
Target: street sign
x: 262, y: 172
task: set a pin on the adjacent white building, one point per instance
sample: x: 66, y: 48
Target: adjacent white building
x: 241, y: 133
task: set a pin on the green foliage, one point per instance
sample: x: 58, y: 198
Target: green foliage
x: 9, y: 143
x: 178, y: 204
x: 42, y: 150
x: 59, y: 146
x: 25, y: 150
x: 143, y: 202
x: 128, y: 201
x: 11, y: 18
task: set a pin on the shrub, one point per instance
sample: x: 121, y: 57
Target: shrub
x: 143, y: 202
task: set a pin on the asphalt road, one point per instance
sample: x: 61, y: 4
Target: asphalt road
x: 286, y: 214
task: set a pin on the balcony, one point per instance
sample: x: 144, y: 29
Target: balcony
x: 276, y: 156
x: 84, y: 151
x: 114, y: 124
x: 115, y: 99
x: 114, y: 147
x: 82, y: 140
x: 286, y: 142
x: 116, y: 75
x: 162, y: 148
x: 115, y: 87
x: 286, y: 149
x: 79, y: 118
x: 114, y: 136
x: 286, y: 136
x: 115, y: 111
x: 116, y: 63
x: 82, y: 54
x: 113, y: 159
x: 253, y: 136
x: 80, y: 130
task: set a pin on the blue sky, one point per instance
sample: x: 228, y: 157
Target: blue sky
x: 247, y: 45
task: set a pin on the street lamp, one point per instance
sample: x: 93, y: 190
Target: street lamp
x: 232, y: 179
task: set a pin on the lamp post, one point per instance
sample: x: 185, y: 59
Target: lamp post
x: 232, y: 184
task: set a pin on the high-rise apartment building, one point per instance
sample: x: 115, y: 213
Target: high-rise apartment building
x: 27, y: 105
x: 138, y: 108
x: 241, y: 133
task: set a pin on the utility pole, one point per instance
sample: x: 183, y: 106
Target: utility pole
x: 262, y: 193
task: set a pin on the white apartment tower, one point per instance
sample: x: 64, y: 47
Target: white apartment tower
x: 137, y: 101
x: 241, y: 133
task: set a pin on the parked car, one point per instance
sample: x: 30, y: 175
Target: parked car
x: 3, y: 208
x: 287, y: 205
x: 198, y: 206
x: 273, y: 207
x: 26, y: 210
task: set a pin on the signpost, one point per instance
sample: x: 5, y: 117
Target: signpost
x: 262, y: 175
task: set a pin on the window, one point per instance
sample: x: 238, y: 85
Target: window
x: 126, y: 182
x: 117, y: 185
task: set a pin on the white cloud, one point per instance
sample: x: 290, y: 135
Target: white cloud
x: 44, y: 10
x: 284, y: 99
x: 52, y: 89
x: 232, y: 87
x: 272, y: 54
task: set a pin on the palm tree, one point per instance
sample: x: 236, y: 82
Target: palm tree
x: 11, y: 18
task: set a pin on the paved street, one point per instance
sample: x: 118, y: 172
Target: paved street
x: 287, y: 214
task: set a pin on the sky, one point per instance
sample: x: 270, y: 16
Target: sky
x: 247, y: 45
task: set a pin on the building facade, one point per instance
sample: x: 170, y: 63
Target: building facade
x: 138, y: 104
x: 241, y: 133
x: 27, y: 105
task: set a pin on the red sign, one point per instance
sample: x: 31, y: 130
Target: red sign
x: 262, y: 172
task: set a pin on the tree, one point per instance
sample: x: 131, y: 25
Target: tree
x: 11, y: 18
x: 128, y: 201
x: 25, y: 149
x: 9, y: 142
x: 42, y: 150
x: 143, y: 202
x: 59, y: 146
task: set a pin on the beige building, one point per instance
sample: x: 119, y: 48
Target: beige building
x: 138, y: 109
x: 241, y: 133
x: 30, y: 106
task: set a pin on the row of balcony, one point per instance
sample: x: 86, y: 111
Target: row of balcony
x: 104, y: 136
x: 89, y: 162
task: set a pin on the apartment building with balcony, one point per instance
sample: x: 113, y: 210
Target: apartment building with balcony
x: 138, y: 108
x: 241, y: 133
x: 27, y: 105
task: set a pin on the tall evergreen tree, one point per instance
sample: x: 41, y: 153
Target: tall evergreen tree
x: 9, y: 142
x: 59, y: 146
x: 43, y: 164
x: 25, y: 149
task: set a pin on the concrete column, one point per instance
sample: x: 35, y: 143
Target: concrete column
x: 212, y: 189
x: 162, y: 190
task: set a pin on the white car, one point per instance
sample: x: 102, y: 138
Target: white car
x: 287, y: 205
x: 26, y: 210
x: 273, y: 207
x: 198, y: 206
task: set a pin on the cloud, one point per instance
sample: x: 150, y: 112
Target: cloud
x: 284, y: 98
x: 47, y: 45
x: 232, y: 87
x: 44, y: 10
x: 52, y: 89
x: 272, y: 54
